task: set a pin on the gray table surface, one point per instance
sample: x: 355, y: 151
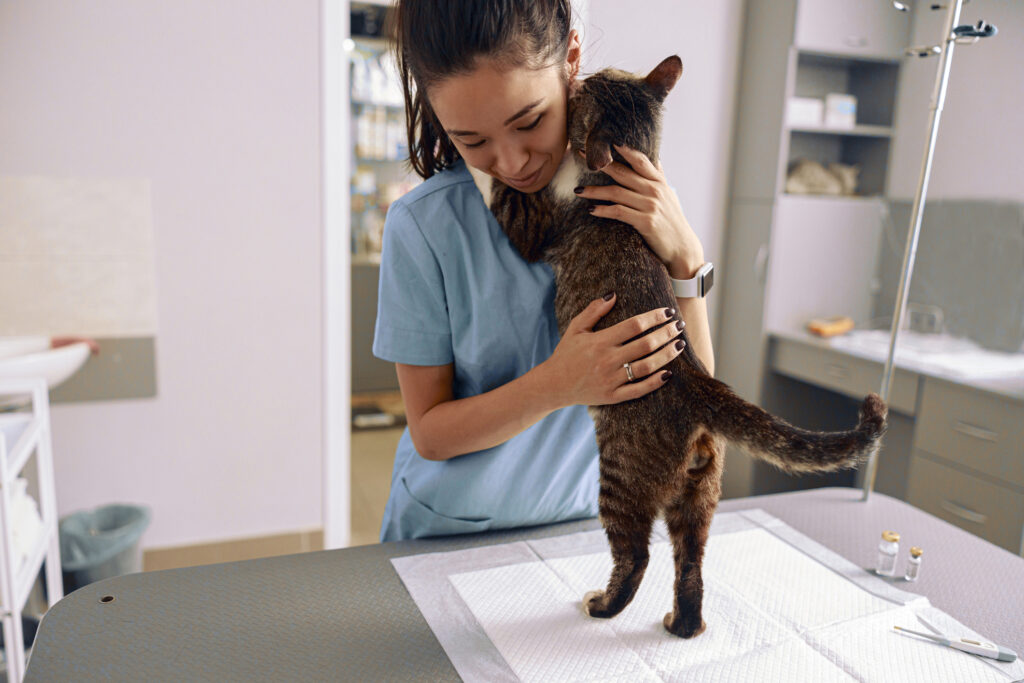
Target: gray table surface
x: 345, y: 615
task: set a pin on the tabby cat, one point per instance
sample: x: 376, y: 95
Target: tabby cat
x: 661, y: 453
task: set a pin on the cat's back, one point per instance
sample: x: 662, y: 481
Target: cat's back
x: 596, y: 256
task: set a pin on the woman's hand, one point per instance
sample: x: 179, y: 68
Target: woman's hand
x: 587, y: 367
x: 644, y: 200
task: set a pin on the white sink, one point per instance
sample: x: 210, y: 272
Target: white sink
x: 24, y: 357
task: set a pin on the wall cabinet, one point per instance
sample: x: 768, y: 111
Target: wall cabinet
x: 781, y: 260
x: 953, y: 450
x: 853, y: 27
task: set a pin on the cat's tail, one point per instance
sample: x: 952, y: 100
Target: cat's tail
x: 790, y: 448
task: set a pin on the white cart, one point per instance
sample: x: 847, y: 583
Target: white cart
x: 21, y: 435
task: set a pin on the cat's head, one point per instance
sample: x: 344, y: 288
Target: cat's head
x: 614, y: 107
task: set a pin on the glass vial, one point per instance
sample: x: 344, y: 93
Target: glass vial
x: 887, y: 551
x: 913, y: 564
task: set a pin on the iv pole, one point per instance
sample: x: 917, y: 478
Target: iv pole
x: 966, y: 34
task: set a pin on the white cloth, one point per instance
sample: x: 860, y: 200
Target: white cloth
x: 778, y: 606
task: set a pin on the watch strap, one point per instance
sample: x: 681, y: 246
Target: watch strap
x: 697, y: 286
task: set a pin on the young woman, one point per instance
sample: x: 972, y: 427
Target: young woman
x: 496, y: 401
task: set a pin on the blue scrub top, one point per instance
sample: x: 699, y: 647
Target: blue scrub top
x: 453, y: 289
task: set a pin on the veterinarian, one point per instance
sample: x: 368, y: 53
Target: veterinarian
x: 499, y: 434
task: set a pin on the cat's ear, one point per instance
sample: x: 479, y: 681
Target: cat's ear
x: 664, y: 76
x: 598, y: 151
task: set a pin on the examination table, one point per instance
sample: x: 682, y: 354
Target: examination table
x: 345, y: 614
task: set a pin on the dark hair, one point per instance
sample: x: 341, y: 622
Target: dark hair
x: 435, y: 39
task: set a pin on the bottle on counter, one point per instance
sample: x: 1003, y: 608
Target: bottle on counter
x: 888, y: 549
x: 913, y: 564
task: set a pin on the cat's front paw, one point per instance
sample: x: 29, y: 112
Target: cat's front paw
x: 595, y: 604
x: 688, y: 626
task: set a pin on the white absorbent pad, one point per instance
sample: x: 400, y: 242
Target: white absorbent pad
x: 778, y: 607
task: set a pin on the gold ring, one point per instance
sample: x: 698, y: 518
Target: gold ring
x: 629, y: 372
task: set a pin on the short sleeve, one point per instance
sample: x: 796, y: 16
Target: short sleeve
x: 412, y: 313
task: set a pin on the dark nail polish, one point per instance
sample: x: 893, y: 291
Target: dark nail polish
x: 669, y: 312
x: 578, y: 190
x: 679, y: 325
x: 608, y: 296
x: 680, y: 344
x: 665, y: 375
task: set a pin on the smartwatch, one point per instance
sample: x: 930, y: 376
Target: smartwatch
x: 697, y: 286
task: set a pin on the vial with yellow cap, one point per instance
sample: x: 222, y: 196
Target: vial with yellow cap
x: 913, y: 564
x: 888, y: 548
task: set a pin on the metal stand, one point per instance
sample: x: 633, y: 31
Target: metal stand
x: 953, y: 34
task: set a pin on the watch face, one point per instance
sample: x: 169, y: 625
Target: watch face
x: 707, y: 281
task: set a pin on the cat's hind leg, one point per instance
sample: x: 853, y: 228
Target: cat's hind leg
x: 627, y: 516
x: 688, y: 518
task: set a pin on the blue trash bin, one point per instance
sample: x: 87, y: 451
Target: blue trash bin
x: 101, y: 543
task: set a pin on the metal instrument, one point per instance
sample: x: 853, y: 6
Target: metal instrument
x: 974, y: 647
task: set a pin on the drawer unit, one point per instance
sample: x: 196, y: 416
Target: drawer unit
x: 977, y: 429
x: 993, y: 512
x: 855, y: 377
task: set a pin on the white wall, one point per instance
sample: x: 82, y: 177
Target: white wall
x: 700, y: 110
x: 217, y: 104
x: 979, y: 152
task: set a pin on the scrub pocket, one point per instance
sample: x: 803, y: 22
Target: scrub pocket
x: 416, y: 519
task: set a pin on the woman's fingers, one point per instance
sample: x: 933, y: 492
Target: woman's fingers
x: 649, y: 372
x: 592, y: 314
x: 645, y: 346
x: 631, y: 390
x: 640, y: 162
x: 636, y: 173
x: 638, y: 219
x: 622, y: 332
x: 618, y: 194
x: 650, y: 365
x: 626, y: 177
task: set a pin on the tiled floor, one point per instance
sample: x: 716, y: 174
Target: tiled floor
x: 373, y: 456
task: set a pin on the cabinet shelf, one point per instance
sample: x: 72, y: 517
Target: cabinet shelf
x: 380, y: 160
x: 366, y: 259
x: 860, y: 130
x: 364, y: 102
x: 835, y: 197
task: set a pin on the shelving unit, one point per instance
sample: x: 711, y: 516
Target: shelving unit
x: 873, y: 82
x: 380, y: 175
x: 23, y: 434
x: 789, y: 257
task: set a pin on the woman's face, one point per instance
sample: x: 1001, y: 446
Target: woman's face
x: 509, y: 122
